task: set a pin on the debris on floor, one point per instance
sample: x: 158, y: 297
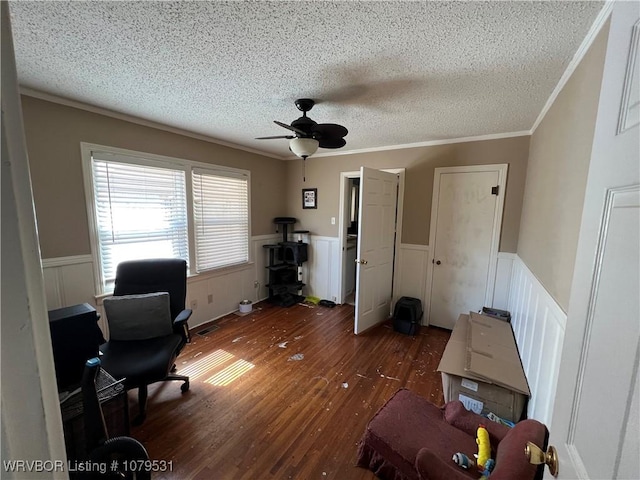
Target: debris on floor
x: 384, y: 376
x: 297, y: 357
x: 283, y: 344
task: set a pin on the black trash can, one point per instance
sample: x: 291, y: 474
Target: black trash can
x: 407, y: 315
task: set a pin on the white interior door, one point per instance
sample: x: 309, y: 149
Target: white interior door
x: 376, y: 242
x: 465, y: 231
x: 595, y: 425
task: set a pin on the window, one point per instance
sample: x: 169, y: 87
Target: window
x: 154, y: 207
x: 221, y: 217
x: 140, y: 211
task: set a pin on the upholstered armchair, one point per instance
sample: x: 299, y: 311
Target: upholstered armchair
x: 410, y: 438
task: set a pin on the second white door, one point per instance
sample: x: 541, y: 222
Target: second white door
x: 466, y: 220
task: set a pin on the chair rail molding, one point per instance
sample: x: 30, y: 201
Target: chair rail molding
x: 70, y: 281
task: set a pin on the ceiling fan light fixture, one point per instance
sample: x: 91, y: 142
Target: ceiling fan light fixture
x: 303, y: 147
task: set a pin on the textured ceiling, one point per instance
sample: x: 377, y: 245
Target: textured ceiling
x: 392, y: 72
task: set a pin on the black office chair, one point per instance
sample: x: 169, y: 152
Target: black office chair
x: 147, y: 325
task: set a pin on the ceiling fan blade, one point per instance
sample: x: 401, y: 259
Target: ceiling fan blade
x: 276, y: 136
x: 329, y: 130
x: 332, y: 142
x: 289, y: 127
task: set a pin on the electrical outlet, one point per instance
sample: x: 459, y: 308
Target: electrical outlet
x: 333, y: 299
x: 256, y: 284
x: 333, y: 220
x: 210, y: 298
x: 194, y: 304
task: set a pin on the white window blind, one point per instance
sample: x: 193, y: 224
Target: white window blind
x: 221, y: 219
x: 141, y: 212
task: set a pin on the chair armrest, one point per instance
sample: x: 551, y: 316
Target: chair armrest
x: 432, y: 467
x: 182, y: 317
x: 511, y: 462
x: 180, y: 324
x: 458, y: 416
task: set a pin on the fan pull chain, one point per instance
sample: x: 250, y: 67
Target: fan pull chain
x: 304, y: 169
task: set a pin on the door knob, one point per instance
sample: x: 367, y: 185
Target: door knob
x: 362, y: 262
x: 536, y: 456
x: 438, y: 262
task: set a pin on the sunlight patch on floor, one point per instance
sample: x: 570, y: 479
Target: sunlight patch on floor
x: 230, y: 373
x: 206, y: 364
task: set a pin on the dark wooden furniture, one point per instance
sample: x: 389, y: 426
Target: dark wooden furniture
x: 75, y: 337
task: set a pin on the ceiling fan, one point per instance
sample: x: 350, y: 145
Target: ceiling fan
x: 310, y: 135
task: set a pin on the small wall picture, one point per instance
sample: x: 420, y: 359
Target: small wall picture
x: 309, y: 198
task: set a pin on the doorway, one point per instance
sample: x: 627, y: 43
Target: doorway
x: 466, y: 220
x: 352, y: 197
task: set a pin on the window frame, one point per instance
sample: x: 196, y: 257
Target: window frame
x: 160, y: 161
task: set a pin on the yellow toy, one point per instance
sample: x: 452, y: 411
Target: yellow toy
x: 484, y: 462
x: 484, y: 447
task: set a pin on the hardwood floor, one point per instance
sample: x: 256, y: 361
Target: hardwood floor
x: 255, y: 410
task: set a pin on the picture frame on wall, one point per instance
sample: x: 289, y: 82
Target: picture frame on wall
x: 309, y: 198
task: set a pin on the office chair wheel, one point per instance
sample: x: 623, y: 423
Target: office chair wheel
x: 125, y: 457
x: 184, y: 387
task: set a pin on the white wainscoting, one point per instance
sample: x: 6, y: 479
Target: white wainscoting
x: 504, y: 270
x: 70, y: 280
x: 322, y: 271
x: 411, y: 277
x: 538, y: 325
x: 410, y: 280
x: 217, y: 294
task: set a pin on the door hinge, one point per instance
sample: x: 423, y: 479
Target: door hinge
x: 495, y: 190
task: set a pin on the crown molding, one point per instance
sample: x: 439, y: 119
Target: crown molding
x: 597, y: 25
x: 428, y: 143
x: 137, y: 120
x: 148, y: 123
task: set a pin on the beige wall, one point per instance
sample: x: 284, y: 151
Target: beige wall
x: 556, y: 177
x: 323, y: 173
x: 54, y: 133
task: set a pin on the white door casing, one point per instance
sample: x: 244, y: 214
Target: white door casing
x: 376, y: 247
x: 466, y: 220
x: 595, y: 426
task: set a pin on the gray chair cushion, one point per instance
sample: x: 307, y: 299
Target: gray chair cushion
x: 138, y: 317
